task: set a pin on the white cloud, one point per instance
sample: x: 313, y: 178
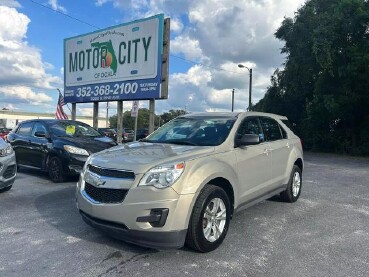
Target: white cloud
x: 23, y: 74
x: 8, y: 106
x: 10, y: 3
x: 189, y: 47
x: 176, y: 25
x: 20, y: 63
x: 22, y: 94
x: 56, y: 7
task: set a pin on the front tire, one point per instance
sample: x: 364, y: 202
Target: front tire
x: 293, y: 191
x: 210, y: 219
x: 55, y: 169
x: 6, y: 189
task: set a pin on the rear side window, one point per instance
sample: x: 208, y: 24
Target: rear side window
x: 291, y: 126
x: 271, y: 129
x: 25, y: 129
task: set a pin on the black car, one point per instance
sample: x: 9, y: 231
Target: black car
x: 127, y: 134
x: 60, y: 147
x: 108, y: 132
x: 142, y: 133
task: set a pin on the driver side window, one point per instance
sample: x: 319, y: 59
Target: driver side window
x: 38, y: 128
x: 250, y: 126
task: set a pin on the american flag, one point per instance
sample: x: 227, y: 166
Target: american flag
x: 60, y: 114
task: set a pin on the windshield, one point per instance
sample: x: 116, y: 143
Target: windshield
x: 73, y: 129
x: 205, y: 131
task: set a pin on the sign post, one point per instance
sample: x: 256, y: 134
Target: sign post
x: 134, y: 113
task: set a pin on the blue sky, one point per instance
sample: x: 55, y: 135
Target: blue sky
x: 208, y: 39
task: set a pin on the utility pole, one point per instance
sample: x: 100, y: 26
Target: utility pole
x: 232, y: 100
x: 250, y: 88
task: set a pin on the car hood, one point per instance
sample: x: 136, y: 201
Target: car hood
x: 92, y: 145
x: 139, y: 157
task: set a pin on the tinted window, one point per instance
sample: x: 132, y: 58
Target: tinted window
x: 25, y: 129
x: 38, y: 128
x: 271, y: 129
x: 250, y: 126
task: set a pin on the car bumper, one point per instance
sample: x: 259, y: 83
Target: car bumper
x: 8, y: 171
x: 133, y: 219
x: 172, y: 239
x: 74, y: 163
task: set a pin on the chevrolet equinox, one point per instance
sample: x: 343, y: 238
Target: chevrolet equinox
x: 183, y: 183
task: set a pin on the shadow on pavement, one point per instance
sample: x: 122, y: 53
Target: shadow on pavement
x: 58, y: 209
x: 43, y: 174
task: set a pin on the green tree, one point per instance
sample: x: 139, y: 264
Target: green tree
x: 143, y: 118
x: 324, y: 85
x: 168, y: 116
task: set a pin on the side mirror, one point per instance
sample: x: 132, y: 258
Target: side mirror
x: 40, y: 134
x: 248, y: 139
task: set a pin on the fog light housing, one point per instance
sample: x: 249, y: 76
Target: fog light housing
x: 157, y: 217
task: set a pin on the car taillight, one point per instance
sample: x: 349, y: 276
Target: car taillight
x: 302, y: 143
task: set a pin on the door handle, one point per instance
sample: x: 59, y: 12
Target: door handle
x: 288, y: 145
x: 266, y: 152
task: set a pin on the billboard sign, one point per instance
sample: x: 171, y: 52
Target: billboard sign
x: 118, y: 63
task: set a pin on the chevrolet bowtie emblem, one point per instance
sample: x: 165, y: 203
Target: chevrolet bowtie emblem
x: 95, y: 180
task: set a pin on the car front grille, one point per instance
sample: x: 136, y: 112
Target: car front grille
x: 9, y: 172
x: 114, y: 173
x: 105, y: 195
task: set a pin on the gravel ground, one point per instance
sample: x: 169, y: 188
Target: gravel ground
x: 325, y: 233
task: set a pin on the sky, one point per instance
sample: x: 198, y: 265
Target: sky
x: 209, y: 38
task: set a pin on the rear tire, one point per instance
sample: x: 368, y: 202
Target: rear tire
x: 55, y: 169
x: 210, y: 219
x: 293, y: 190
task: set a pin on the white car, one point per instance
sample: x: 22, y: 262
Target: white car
x: 8, y: 166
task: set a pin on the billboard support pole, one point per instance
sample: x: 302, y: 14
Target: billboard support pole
x: 95, y: 115
x: 165, y: 60
x: 152, y: 116
x: 119, y: 121
x: 74, y: 111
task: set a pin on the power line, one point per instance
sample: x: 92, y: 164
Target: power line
x: 65, y: 14
x: 96, y: 27
x: 204, y: 65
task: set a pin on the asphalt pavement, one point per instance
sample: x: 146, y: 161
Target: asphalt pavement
x: 325, y: 233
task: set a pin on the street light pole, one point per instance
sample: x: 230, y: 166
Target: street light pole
x: 250, y: 84
x: 232, y: 100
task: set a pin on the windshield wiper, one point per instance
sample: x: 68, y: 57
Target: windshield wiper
x: 147, y: 140
x: 180, y: 142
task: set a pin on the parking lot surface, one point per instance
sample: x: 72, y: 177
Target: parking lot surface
x: 325, y: 233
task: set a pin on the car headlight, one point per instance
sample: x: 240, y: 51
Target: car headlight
x: 75, y: 150
x: 6, y: 151
x: 162, y: 176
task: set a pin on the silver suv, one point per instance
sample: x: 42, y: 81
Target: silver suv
x: 183, y: 183
x: 8, y: 166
